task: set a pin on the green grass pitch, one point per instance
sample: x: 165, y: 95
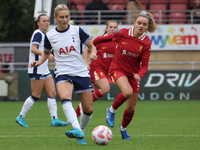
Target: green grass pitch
x: 156, y: 125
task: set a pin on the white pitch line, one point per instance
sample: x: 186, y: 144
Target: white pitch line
x: 4, y: 136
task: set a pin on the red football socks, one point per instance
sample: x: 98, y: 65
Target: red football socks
x: 96, y: 95
x: 78, y: 111
x: 120, y: 99
x: 127, y: 117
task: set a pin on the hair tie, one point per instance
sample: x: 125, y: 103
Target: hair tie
x: 143, y: 13
x: 36, y: 19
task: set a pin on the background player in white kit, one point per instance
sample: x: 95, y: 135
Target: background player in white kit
x: 41, y: 78
x: 70, y: 70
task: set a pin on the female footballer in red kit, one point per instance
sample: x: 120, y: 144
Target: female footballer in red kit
x: 99, y: 68
x: 129, y: 65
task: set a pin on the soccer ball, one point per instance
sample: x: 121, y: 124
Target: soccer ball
x: 101, y: 135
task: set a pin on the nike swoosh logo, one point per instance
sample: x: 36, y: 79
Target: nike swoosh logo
x: 55, y: 42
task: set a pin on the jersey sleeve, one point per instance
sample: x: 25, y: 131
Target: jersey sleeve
x: 47, y: 45
x: 102, y: 39
x: 84, y: 37
x: 117, y: 35
x: 145, y: 61
x: 37, y: 38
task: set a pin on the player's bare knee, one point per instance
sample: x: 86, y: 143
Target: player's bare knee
x: 105, y: 90
x: 63, y: 97
x: 88, y: 110
x: 127, y: 93
x: 37, y: 96
x: 54, y: 94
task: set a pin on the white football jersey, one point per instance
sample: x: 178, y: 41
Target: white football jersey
x: 67, y: 50
x: 38, y: 39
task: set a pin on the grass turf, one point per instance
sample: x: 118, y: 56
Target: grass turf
x: 156, y: 125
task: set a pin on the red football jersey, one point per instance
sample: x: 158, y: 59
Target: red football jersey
x: 105, y: 53
x: 132, y: 54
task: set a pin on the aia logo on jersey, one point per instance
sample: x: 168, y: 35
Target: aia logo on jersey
x: 66, y: 51
x: 140, y: 48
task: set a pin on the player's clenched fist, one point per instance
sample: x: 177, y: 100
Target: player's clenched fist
x: 93, y: 56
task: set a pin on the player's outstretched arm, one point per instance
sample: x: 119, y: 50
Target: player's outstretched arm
x: 102, y: 39
x: 93, y: 50
x: 43, y: 58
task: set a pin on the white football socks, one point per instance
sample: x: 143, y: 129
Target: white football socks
x: 112, y: 110
x: 84, y: 120
x: 27, y: 106
x: 52, y: 105
x: 70, y: 114
x: 122, y: 128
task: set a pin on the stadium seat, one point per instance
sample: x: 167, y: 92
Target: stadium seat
x: 78, y: 1
x: 156, y: 17
x: 104, y: 1
x: 177, y: 18
x: 81, y: 6
x: 178, y: 4
x: 160, y: 6
x: 144, y: 4
x: 121, y: 6
x: 178, y: 1
x: 117, y: 1
x: 191, y: 2
x: 158, y: 1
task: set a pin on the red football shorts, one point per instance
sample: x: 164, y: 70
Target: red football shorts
x: 97, y: 74
x: 134, y: 84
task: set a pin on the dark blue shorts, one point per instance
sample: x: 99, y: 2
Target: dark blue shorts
x: 39, y: 76
x: 81, y: 84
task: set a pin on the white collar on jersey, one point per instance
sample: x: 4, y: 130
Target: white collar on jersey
x: 130, y: 33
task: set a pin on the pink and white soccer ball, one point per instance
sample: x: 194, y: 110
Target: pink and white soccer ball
x: 102, y: 135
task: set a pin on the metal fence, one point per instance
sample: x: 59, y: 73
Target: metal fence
x: 126, y: 16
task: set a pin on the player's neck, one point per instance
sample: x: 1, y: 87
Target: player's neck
x: 62, y: 28
x: 137, y: 35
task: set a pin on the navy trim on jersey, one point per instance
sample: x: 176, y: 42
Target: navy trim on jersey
x: 47, y: 45
x: 36, y: 59
x: 81, y: 48
x: 37, y: 37
x: 64, y: 30
x: 84, y: 37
